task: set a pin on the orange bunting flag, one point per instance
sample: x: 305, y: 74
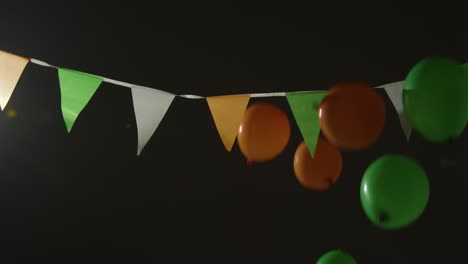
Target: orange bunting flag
x: 227, y: 112
x: 11, y: 68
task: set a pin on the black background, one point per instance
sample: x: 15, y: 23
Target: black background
x: 87, y: 198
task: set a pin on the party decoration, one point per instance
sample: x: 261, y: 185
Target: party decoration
x: 435, y: 98
x: 264, y: 132
x: 227, y: 112
x: 394, y: 191
x: 394, y: 91
x: 320, y: 172
x: 150, y: 106
x: 336, y: 257
x: 352, y: 115
x: 340, y: 112
x: 304, y: 106
x: 76, y: 89
x: 11, y: 68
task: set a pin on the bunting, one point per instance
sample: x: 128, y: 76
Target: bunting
x: 76, y: 89
x: 11, y: 68
x: 394, y: 92
x: 304, y: 106
x: 227, y: 112
x: 150, y: 106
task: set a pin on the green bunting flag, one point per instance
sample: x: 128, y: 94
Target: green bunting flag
x: 304, y: 106
x: 76, y: 89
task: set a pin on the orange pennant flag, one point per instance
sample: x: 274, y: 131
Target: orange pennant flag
x: 11, y: 68
x: 227, y: 112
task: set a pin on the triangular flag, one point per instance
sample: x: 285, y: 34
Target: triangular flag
x: 394, y: 91
x: 76, y: 89
x: 150, y: 106
x: 304, y: 106
x: 11, y: 68
x: 227, y: 112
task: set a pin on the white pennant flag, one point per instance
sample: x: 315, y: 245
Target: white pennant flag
x: 150, y: 106
x: 394, y: 91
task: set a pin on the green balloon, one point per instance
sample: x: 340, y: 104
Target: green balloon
x: 465, y: 69
x: 394, y: 191
x: 435, y: 98
x: 336, y: 257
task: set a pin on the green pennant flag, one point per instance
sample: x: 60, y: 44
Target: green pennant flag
x: 304, y: 106
x: 76, y: 89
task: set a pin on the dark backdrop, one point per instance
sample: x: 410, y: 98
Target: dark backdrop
x: 87, y: 198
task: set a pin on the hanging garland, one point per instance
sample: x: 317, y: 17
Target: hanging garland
x: 394, y: 190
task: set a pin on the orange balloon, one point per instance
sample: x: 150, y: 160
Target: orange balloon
x: 320, y: 172
x: 352, y: 115
x: 264, y: 132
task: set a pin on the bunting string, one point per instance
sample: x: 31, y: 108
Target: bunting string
x: 151, y: 104
x: 186, y: 96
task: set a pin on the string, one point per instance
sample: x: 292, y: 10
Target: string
x: 187, y: 96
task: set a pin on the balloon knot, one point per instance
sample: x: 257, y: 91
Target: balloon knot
x: 383, y: 217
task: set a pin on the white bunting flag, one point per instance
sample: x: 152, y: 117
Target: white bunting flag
x: 394, y: 91
x: 150, y: 106
x: 11, y: 68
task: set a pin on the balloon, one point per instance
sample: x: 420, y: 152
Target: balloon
x: 435, y: 98
x: 465, y: 71
x: 320, y: 172
x: 352, y: 115
x: 394, y: 191
x: 336, y: 257
x: 264, y: 132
